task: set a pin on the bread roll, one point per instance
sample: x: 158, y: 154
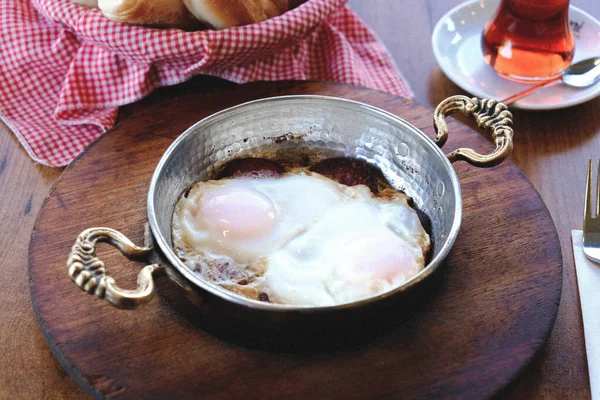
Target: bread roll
x: 156, y: 13
x: 227, y: 13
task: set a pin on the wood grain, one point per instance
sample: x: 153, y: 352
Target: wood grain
x: 27, y: 367
x: 553, y: 156
x: 552, y: 149
x: 494, y: 305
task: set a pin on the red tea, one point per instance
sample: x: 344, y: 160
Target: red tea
x: 529, y: 40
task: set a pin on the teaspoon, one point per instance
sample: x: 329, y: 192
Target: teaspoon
x: 580, y: 75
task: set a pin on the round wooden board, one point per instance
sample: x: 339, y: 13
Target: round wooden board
x: 491, y: 313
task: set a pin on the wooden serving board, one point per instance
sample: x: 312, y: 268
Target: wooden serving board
x: 491, y: 313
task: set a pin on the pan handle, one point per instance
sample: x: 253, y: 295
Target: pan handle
x: 489, y: 114
x: 89, y: 273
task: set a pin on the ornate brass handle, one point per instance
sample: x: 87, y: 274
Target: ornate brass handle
x: 89, y: 273
x: 489, y: 114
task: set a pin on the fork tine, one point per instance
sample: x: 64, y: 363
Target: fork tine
x: 587, y: 210
x: 598, y: 191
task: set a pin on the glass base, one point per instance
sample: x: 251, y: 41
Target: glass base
x: 529, y: 79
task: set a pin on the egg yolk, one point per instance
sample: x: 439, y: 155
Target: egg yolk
x: 378, y: 257
x: 237, y: 213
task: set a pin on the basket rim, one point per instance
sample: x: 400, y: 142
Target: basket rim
x: 132, y: 41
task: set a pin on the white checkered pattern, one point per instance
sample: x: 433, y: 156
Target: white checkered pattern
x: 65, y: 70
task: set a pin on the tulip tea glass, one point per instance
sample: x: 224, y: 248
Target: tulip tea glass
x: 529, y: 40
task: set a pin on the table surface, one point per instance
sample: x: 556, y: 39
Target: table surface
x: 551, y: 148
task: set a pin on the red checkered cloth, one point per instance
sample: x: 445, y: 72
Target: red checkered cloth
x: 65, y: 69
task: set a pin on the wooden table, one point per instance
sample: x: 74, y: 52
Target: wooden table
x: 551, y: 148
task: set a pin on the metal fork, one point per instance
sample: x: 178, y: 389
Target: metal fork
x: 591, y: 224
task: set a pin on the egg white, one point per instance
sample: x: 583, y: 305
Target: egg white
x: 299, y: 200
x: 308, y: 270
x: 303, y: 259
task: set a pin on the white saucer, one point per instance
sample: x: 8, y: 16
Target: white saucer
x: 456, y: 44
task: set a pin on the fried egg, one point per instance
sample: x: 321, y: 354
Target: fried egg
x: 299, y: 239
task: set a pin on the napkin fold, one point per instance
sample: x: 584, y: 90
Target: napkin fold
x: 65, y: 69
x: 588, y: 280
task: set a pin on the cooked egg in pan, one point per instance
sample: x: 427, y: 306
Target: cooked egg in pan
x: 299, y: 238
